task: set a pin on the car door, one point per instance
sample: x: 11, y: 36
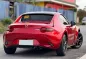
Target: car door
x: 70, y: 30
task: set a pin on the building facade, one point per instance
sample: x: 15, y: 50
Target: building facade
x: 67, y: 7
x: 4, y: 10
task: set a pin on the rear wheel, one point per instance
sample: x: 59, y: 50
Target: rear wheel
x: 9, y: 50
x: 61, y: 51
x: 79, y: 41
x: 83, y: 24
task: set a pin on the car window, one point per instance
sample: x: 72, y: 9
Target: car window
x: 36, y: 17
x: 63, y: 20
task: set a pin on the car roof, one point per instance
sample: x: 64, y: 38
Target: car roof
x: 41, y: 12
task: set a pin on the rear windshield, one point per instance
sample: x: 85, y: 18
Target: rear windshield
x: 36, y: 17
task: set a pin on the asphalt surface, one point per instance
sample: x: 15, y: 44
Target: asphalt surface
x: 44, y: 53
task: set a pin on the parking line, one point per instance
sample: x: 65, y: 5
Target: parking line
x: 83, y: 57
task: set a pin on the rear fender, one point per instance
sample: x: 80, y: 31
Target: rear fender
x: 62, y: 34
x: 77, y: 30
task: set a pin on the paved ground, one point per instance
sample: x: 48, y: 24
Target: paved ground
x: 43, y: 53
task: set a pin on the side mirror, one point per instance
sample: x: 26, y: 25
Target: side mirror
x: 64, y: 23
x: 73, y: 23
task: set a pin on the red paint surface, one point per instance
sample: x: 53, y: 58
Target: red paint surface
x: 43, y: 39
x: 71, y: 1
x: 57, y: 6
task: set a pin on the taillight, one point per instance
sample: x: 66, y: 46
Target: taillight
x: 10, y: 29
x: 44, y: 29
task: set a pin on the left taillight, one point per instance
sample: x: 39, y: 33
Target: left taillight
x: 44, y: 29
x: 10, y: 29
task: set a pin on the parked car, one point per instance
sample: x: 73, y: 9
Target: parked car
x: 42, y: 29
x: 84, y: 21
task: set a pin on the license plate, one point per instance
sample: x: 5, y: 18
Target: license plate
x: 25, y: 42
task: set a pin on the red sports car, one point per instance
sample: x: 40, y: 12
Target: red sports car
x: 42, y: 29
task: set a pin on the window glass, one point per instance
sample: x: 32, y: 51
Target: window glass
x: 36, y: 17
x: 63, y: 20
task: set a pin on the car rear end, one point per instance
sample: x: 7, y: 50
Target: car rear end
x: 32, y: 30
x: 84, y: 21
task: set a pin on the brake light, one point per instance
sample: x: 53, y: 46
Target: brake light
x: 10, y: 29
x: 44, y: 29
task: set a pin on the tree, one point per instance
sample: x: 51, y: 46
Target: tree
x: 81, y: 13
x: 19, y: 0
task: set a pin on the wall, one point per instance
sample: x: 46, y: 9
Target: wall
x: 21, y: 8
x: 71, y: 1
x: 75, y: 16
x: 57, y: 6
x: 65, y: 10
x: 68, y: 1
x: 41, y: 4
x: 4, y: 9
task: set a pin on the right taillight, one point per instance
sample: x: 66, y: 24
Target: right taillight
x: 44, y: 29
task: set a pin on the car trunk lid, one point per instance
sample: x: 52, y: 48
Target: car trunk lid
x: 28, y: 27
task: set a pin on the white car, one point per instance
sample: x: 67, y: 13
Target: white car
x: 84, y: 21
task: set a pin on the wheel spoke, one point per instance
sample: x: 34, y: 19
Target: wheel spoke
x: 79, y: 42
x: 79, y: 37
x: 65, y: 46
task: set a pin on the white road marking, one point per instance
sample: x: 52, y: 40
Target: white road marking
x: 83, y: 57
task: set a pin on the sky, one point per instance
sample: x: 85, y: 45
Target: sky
x: 81, y: 3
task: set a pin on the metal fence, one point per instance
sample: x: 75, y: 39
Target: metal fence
x: 22, y: 8
x: 69, y: 14
x: 4, y: 9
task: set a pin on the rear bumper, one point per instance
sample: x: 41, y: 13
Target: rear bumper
x: 46, y: 40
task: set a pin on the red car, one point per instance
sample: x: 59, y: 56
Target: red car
x: 42, y: 29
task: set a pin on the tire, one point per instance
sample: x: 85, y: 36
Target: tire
x: 83, y: 24
x: 61, y: 51
x: 79, y: 42
x: 9, y: 50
